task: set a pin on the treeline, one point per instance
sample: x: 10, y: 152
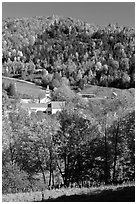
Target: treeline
x: 83, y: 53
x: 71, y: 148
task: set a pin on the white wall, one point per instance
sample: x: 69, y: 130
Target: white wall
x: 45, y: 100
x: 25, y: 100
x: 38, y: 109
x: 55, y: 110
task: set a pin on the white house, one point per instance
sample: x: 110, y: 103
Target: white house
x: 47, y: 97
x: 25, y: 100
x: 43, y: 103
x: 55, y: 106
x: 34, y: 107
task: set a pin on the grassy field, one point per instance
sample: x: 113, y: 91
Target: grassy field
x: 126, y: 194
x: 119, y: 193
x: 126, y: 96
x: 105, y: 101
x: 107, y: 92
x: 24, y: 87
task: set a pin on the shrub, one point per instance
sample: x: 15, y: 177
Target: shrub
x: 14, y: 180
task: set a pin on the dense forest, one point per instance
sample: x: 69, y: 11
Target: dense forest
x: 87, y: 143
x: 59, y: 46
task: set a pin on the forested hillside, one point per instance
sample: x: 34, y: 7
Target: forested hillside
x: 84, y: 53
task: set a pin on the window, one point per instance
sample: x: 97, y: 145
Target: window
x: 49, y: 105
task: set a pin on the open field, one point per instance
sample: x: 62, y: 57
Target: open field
x: 24, y: 87
x: 101, y: 92
x: 119, y: 193
x: 126, y: 194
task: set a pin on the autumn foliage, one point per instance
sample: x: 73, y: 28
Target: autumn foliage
x: 83, y: 53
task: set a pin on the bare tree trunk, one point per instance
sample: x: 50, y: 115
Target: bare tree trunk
x: 115, y: 153
x: 65, y: 176
x: 60, y: 171
x: 42, y: 170
x: 11, y: 153
x: 50, y: 176
x: 106, y: 159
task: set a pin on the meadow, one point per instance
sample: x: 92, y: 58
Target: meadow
x: 110, y: 193
x: 24, y: 87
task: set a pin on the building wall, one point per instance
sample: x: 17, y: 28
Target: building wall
x: 44, y: 100
x: 38, y: 109
x: 55, y: 110
x: 25, y: 100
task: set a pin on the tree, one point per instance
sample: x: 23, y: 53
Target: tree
x: 31, y: 67
x: 105, y: 150
x: 63, y: 93
x: 4, y: 86
x: 46, y: 79
x: 121, y: 140
x: 44, y: 72
x: 126, y: 161
x: 71, y: 143
x: 64, y: 81
x: 5, y: 101
x: 55, y: 83
x: 32, y: 146
x: 12, y: 90
x: 125, y: 80
x: 14, y: 180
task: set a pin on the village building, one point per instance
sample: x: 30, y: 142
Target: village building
x: 87, y: 93
x: 47, y: 97
x: 50, y: 108
x: 43, y: 104
x: 34, y: 107
x: 55, y: 106
x: 42, y: 98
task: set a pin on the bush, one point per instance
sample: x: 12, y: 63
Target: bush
x: 14, y: 180
x: 12, y: 90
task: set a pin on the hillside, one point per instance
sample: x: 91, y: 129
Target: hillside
x: 91, y: 141
x: 126, y: 194
x: 25, y: 88
x: 83, y: 53
x: 105, y: 101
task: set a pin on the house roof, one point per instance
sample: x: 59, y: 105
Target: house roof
x: 33, y: 105
x: 57, y: 104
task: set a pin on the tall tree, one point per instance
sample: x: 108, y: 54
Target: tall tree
x: 69, y: 141
x: 12, y: 90
x: 33, y: 147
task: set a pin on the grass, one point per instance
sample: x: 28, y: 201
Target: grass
x: 26, y: 88
x: 126, y: 194
x: 119, y: 193
x: 124, y: 100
